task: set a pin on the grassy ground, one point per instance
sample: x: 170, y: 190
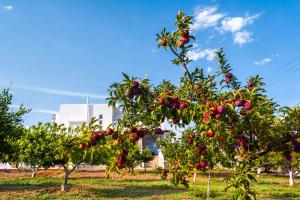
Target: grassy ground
x: 94, y: 185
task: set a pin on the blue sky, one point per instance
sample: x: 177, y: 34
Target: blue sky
x: 57, y: 52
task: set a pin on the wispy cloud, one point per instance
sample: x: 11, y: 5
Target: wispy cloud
x: 59, y: 92
x: 263, y: 61
x: 8, y: 7
x: 196, y: 54
x: 36, y: 110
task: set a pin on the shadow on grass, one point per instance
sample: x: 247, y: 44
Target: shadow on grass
x: 136, y: 191
x: 17, y: 186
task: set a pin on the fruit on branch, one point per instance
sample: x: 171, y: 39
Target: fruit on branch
x: 218, y: 115
x: 140, y: 132
x: 133, y: 130
x: 175, y: 120
x: 100, y: 134
x: 228, y: 77
x: 135, y: 84
x: 182, y: 105
x: 180, y: 43
x: 162, y: 100
x: 239, y: 102
x: 185, y: 33
x: 247, y: 105
x: 109, y: 131
x: 137, y: 91
x: 206, y: 117
x: 89, y: 144
x: 82, y: 146
x: 163, y: 42
x: 220, y: 109
x: 250, y: 85
x: 94, y: 136
x: 191, y: 138
x: 94, y: 143
x: 129, y: 93
x: 203, y: 164
x: 210, y: 133
x: 134, y: 137
x: 159, y: 131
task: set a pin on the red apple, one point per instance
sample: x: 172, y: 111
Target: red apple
x: 185, y: 33
x: 203, y: 164
x: 163, y: 42
x: 180, y: 43
x: 109, y: 131
x: 247, y: 105
x: 239, y: 102
x: 182, y: 105
x: 132, y: 130
x: 210, y: 133
x: 158, y: 131
x: 162, y: 100
x: 220, y: 109
x: 135, y: 84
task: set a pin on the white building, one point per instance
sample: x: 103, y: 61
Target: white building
x: 74, y: 115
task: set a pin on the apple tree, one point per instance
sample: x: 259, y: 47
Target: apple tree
x: 223, y: 120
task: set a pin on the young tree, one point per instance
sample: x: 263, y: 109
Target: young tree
x: 10, y: 126
x: 136, y: 157
x: 73, y: 144
x: 233, y: 122
x: 36, y: 147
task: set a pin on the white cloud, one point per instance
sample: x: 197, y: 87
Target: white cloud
x: 242, y: 37
x: 206, y: 17
x: 263, y: 61
x: 8, y: 7
x: 234, y: 24
x: 209, y: 69
x: 208, y: 54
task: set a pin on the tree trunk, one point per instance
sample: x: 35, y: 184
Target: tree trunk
x: 291, y: 175
x: 34, y: 172
x: 64, y: 186
x: 195, y: 177
x: 208, y: 185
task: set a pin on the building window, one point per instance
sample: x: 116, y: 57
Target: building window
x: 100, y: 119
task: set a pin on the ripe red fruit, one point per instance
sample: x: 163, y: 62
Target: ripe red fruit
x: 220, y: 109
x: 211, y: 104
x: 100, y: 134
x: 182, y: 105
x: 109, y: 131
x: 89, y: 144
x: 206, y: 117
x: 94, y: 143
x: 210, y: 133
x: 134, y: 137
x: 239, y: 102
x: 185, y: 33
x: 247, y: 105
x: 158, y: 131
x: 162, y: 100
x: 132, y: 130
x: 180, y: 43
x: 135, y: 84
x: 163, y: 42
x: 218, y: 115
x: 137, y: 91
x: 250, y: 84
x: 186, y: 40
x: 129, y: 93
x: 120, y: 165
x: 175, y: 121
x: 81, y: 146
x: 94, y: 136
x: 141, y: 132
x: 228, y: 75
x: 203, y: 164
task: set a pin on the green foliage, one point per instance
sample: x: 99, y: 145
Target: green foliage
x: 36, y: 146
x: 10, y: 126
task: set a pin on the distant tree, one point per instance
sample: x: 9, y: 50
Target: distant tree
x: 10, y: 126
x: 136, y: 156
x: 36, y: 147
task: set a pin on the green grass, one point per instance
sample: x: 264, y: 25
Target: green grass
x: 267, y: 187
